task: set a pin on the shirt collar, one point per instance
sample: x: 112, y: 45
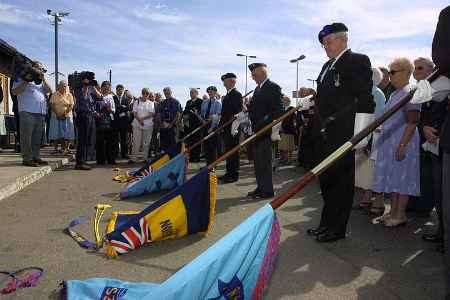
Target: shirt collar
x: 262, y: 83
x: 338, y: 57
x: 230, y: 90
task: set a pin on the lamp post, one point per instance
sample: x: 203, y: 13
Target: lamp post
x: 245, y: 67
x: 296, y: 60
x: 57, y: 18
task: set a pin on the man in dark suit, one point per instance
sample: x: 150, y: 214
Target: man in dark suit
x: 192, y: 120
x: 265, y: 106
x: 122, y: 119
x: 343, y: 88
x: 231, y: 105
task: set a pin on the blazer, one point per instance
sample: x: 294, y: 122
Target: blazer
x: 265, y: 106
x: 231, y: 105
x: 345, y: 89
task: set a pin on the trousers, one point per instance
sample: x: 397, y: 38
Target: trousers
x: 262, y: 161
x: 31, y: 134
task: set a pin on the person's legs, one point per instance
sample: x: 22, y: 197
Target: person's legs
x: 263, y: 165
x: 446, y: 215
x: 123, y: 142
x: 100, y: 147
x: 26, y: 131
x: 137, y: 141
x: 146, y: 141
x: 111, y: 144
x: 36, y: 138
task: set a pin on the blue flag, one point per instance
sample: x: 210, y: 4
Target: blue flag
x: 238, y: 266
x: 167, y: 177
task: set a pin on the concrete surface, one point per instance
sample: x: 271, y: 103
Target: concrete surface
x: 373, y: 263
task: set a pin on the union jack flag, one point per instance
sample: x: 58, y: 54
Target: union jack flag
x: 132, y: 238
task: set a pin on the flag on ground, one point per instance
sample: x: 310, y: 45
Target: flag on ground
x: 150, y: 166
x: 238, y: 266
x: 188, y: 209
x: 167, y: 177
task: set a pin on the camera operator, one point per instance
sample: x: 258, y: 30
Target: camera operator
x: 85, y: 118
x: 31, y: 90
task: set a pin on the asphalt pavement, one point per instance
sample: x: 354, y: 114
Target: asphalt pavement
x: 372, y: 263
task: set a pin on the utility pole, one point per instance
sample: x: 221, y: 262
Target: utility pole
x: 110, y: 76
x: 57, y: 18
x: 246, y: 65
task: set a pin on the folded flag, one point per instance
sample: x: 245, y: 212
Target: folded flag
x: 151, y: 165
x: 167, y: 177
x: 187, y: 209
x: 238, y: 266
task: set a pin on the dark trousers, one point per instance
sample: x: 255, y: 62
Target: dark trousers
x: 123, y: 136
x: 211, y: 149
x: 194, y: 154
x: 262, y: 161
x: 85, y: 137
x: 232, y: 165
x: 337, y: 186
x: 428, y: 191
x: 446, y: 215
x: 105, y: 146
x: 166, y: 138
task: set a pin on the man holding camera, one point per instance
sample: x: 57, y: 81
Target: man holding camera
x: 32, y: 90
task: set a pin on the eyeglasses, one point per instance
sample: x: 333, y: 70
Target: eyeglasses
x: 393, y: 72
x: 419, y: 68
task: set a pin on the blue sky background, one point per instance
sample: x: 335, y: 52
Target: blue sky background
x: 186, y: 44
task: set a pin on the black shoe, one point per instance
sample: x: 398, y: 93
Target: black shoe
x: 316, y: 231
x: 29, y: 163
x: 230, y: 179
x: 40, y: 162
x: 432, y: 238
x: 328, y: 237
x: 82, y: 167
x: 262, y: 195
x: 223, y: 177
x: 253, y: 193
x: 440, y: 248
x: 125, y: 157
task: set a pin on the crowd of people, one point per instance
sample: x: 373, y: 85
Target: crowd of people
x: 406, y: 160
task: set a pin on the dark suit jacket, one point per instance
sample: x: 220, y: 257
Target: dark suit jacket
x: 231, y: 105
x: 266, y: 105
x: 441, y: 42
x: 345, y: 90
x: 196, y: 106
x: 122, y: 116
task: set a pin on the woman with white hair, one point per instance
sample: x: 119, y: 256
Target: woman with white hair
x: 397, y: 166
x: 366, y: 156
x: 61, y: 121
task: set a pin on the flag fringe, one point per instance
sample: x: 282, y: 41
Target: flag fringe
x: 212, y: 200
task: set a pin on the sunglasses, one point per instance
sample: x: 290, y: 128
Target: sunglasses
x: 393, y: 72
x: 419, y: 68
x: 23, y: 278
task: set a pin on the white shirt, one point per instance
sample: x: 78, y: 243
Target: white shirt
x: 109, y: 99
x: 332, y: 65
x: 262, y: 83
x: 142, y: 109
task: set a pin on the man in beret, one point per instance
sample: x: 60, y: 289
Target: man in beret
x: 343, y: 88
x: 265, y: 106
x: 210, y: 110
x: 231, y: 105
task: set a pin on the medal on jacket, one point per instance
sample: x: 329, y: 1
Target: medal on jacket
x: 337, y: 81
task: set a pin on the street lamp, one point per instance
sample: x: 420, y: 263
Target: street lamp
x: 57, y: 18
x: 296, y: 60
x: 246, y: 64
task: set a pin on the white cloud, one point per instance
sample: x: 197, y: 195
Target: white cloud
x: 12, y: 15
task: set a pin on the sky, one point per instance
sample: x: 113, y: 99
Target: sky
x: 184, y: 44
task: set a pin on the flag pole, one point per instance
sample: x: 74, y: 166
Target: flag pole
x: 252, y: 137
x: 344, y: 149
x: 217, y: 130
x: 196, y: 130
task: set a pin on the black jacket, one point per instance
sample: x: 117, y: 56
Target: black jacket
x: 441, y: 42
x: 231, y: 105
x: 265, y: 106
x: 345, y: 89
x: 193, y: 106
x: 122, y: 116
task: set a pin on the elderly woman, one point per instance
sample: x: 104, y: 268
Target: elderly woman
x: 61, y: 121
x: 365, y: 157
x: 397, y: 167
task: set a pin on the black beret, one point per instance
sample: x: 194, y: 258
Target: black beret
x: 332, y: 28
x: 256, y: 65
x: 211, y: 88
x: 228, y: 75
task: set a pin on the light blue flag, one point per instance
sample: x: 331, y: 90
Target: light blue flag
x: 171, y: 175
x: 238, y: 266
